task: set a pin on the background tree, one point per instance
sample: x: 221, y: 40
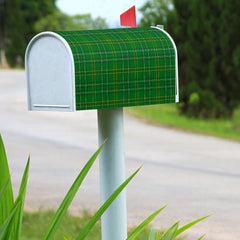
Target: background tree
x: 20, y: 20
x: 58, y: 21
x: 87, y: 22
x: 209, y: 51
x: 207, y: 36
x: 159, y: 12
x: 20, y: 17
x: 14, y: 33
x: 2, y: 32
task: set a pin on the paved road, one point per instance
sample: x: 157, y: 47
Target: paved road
x: 195, y: 175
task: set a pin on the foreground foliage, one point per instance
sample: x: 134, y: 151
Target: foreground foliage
x: 11, y: 212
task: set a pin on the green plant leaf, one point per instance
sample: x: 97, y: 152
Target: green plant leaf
x: 201, y: 237
x: 153, y: 234
x: 144, y: 224
x: 6, y: 204
x: 5, y: 228
x: 103, y: 208
x: 158, y: 235
x: 2, y: 192
x: 17, y: 220
x: 67, y: 238
x: 187, y: 226
x: 170, y: 233
x: 70, y: 195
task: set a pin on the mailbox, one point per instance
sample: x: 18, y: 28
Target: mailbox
x: 96, y: 69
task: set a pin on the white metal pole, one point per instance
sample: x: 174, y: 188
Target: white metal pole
x: 112, y: 172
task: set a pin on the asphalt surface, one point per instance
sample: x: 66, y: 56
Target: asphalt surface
x: 195, y: 175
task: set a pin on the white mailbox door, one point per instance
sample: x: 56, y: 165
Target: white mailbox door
x: 50, y: 73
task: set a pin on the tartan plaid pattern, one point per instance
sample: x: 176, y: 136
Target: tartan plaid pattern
x: 122, y: 67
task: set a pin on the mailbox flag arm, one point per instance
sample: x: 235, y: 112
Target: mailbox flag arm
x: 128, y: 18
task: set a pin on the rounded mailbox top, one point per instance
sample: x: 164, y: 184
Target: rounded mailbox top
x: 79, y: 70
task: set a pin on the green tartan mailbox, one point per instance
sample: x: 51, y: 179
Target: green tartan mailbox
x: 79, y: 70
x: 104, y: 70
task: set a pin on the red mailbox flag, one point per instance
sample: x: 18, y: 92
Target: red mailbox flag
x: 128, y: 18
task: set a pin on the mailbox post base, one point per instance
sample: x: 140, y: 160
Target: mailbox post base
x: 112, y: 172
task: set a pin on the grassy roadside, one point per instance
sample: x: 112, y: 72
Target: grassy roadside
x: 35, y: 225
x: 167, y: 115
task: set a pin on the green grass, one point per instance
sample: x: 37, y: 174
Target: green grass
x: 167, y: 115
x: 35, y: 225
